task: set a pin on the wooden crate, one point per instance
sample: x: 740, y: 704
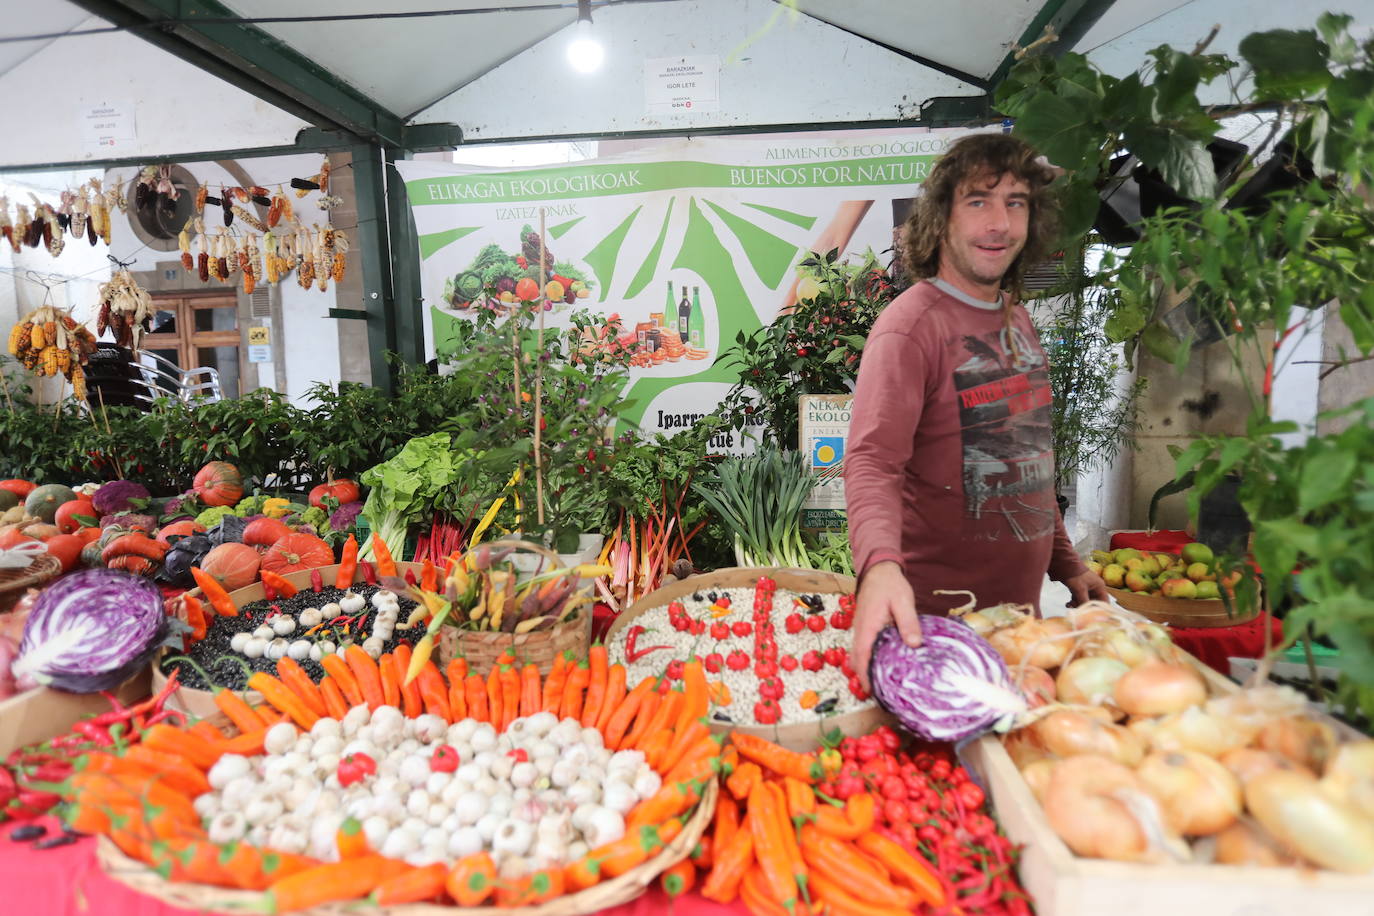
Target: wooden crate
x: 1064, y: 884
x: 40, y: 714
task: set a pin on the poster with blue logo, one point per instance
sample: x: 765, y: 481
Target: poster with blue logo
x: 824, y: 430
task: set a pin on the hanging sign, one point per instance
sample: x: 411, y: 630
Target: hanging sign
x: 823, y: 428
x: 108, y: 126
x: 682, y: 83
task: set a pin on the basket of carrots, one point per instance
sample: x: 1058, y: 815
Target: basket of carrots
x: 197, y: 831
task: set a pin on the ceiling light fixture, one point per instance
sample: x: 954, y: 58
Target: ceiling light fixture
x: 585, y: 53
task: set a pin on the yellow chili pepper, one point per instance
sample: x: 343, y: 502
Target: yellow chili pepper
x: 423, y: 650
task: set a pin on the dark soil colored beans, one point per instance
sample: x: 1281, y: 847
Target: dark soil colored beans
x: 27, y: 832
x: 215, y: 646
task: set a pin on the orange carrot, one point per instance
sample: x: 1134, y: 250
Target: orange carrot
x: 410, y: 693
x: 596, y: 684
x: 615, y: 695
x: 294, y: 676
x: 391, y: 686
x: 433, y: 692
x: 571, y: 705
x: 338, y: 669
x: 368, y: 675
x: 457, y: 672
x: 553, y: 685
x: 334, y: 703
x: 494, y: 696
x: 476, y: 690
x: 619, y: 722
x: 531, y: 694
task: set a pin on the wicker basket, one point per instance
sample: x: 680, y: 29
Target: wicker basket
x: 1181, y: 612
x: 140, y: 877
x: 482, y: 647
x: 13, y: 582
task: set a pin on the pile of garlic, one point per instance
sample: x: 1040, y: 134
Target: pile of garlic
x: 568, y: 794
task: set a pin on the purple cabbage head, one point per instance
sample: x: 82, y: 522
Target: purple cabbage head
x: 130, y: 520
x: 91, y: 630
x: 953, y: 686
x: 184, y: 504
x: 114, y: 496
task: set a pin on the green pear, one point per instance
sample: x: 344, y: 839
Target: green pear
x: 1179, y: 588
x: 1197, y: 553
x: 1114, y: 574
x: 1135, y: 563
x: 1101, y: 556
x: 1122, y: 554
x: 1093, y: 565
x: 1207, y: 589
x: 1151, y: 567
x: 1138, y: 581
x: 1165, y: 560
x: 1200, y: 572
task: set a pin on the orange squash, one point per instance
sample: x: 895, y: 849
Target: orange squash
x: 264, y: 532
x: 297, y: 551
x: 65, y: 516
x: 233, y: 565
x: 20, y: 488
x: 184, y: 528
x: 67, y: 549
x: 344, y: 491
x: 219, y: 483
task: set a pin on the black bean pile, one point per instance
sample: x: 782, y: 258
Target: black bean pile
x: 212, y: 652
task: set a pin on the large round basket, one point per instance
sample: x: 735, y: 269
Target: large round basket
x: 1180, y: 612
x: 798, y: 736
x: 622, y: 889
x: 14, y: 582
x: 481, y: 648
x: 201, y: 703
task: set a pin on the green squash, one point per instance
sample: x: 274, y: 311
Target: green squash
x: 44, y: 500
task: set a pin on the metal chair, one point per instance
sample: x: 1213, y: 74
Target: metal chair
x: 188, y: 385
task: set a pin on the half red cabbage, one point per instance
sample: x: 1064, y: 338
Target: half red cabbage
x: 91, y: 630
x: 953, y: 686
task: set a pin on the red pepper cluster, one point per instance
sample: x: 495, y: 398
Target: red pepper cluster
x: 683, y: 622
x: 771, y: 689
x: 928, y: 803
x: 29, y: 772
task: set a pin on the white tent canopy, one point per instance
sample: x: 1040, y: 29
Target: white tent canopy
x: 195, y: 77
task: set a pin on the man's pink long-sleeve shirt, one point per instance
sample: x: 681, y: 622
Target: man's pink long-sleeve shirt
x: 949, y: 468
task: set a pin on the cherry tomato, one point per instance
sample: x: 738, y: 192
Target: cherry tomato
x: 896, y: 812
x: 940, y: 770
x: 971, y: 795
x: 958, y: 776
x: 893, y: 788
x: 815, y: 623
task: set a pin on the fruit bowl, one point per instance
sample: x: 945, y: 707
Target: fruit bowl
x: 1179, y: 612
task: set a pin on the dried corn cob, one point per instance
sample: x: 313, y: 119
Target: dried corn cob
x: 20, y: 332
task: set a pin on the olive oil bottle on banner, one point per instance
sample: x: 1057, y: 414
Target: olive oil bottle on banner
x: 684, y: 314
x: 696, y: 323
x: 668, y: 310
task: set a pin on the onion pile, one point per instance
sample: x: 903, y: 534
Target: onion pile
x: 1133, y: 760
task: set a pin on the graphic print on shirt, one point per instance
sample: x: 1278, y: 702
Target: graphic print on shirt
x: 1004, y: 419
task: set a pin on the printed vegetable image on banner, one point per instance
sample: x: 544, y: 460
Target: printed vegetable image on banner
x: 691, y: 244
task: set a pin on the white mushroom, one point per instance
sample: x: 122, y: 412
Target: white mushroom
x: 264, y: 632
x: 239, y: 640
x: 310, y: 617
x: 280, y: 738
x: 300, y: 649
x: 228, y: 767
x: 276, y: 649
x: 283, y: 625
x: 352, y: 603
x: 255, y: 647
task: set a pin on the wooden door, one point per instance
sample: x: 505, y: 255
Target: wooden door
x: 200, y: 329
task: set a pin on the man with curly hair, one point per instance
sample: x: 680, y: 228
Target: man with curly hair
x: 949, y: 470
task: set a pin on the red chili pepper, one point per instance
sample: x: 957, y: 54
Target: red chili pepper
x: 410, y: 578
x: 520, y: 755
x: 369, y: 572
x: 354, y: 768
x: 443, y: 760
x: 633, y: 654
x: 316, y: 580
x: 268, y: 591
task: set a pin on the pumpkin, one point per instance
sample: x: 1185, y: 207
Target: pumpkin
x: 8, y: 500
x: 276, y: 507
x: 184, y: 528
x: 342, y: 491
x: 13, y: 536
x: 43, y: 502
x: 233, y: 565
x: 67, y: 549
x: 20, y: 488
x: 219, y: 483
x: 264, y: 532
x: 297, y: 551
x: 65, y: 516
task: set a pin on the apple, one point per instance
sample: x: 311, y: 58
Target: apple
x: 1165, y: 560
x: 1122, y: 554
x: 1114, y: 575
x: 1207, y: 589
x: 1094, y: 566
x: 1102, y: 556
x: 1134, y: 563
x: 1179, y: 588
x: 527, y: 290
x: 1150, y: 567
x: 554, y: 290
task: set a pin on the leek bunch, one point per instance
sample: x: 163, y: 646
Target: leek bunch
x: 759, y: 499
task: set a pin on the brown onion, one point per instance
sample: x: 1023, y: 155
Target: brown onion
x: 1117, y: 643
x: 1023, y: 749
x: 1156, y: 689
x: 1090, y: 681
x: 1036, y: 684
x: 1299, y: 814
x: 1245, y: 763
x: 1069, y: 732
x: 1080, y: 807
x: 1350, y: 775
x: 1043, y: 643
x: 1037, y: 775
x: 1195, y: 729
x: 1198, y: 795
x: 1250, y: 844
x: 1301, y: 739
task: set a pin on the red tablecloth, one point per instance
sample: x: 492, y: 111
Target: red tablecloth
x: 1214, y: 645
x: 68, y: 881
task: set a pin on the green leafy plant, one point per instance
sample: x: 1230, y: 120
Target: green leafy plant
x: 813, y: 350
x: 1091, y: 419
x: 1248, y: 274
